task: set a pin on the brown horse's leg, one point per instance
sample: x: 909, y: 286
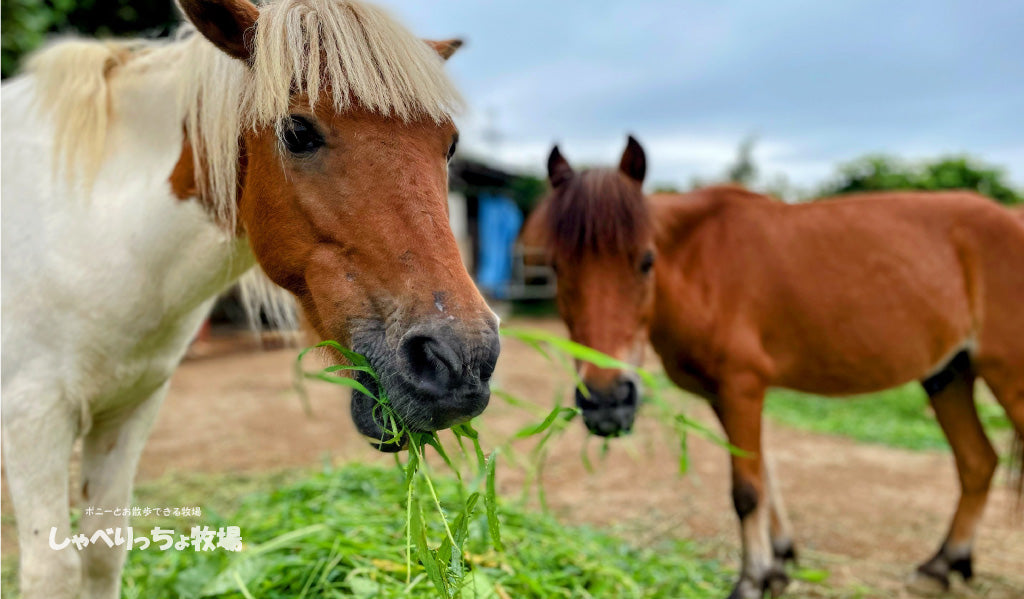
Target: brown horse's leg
x: 976, y: 461
x: 739, y: 409
x: 1008, y: 387
x: 1007, y: 384
x: 780, y: 526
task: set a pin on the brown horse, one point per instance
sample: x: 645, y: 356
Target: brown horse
x: 739, y: 293
x: 308, y: 137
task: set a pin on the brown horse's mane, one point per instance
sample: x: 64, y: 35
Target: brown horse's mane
x: 599, y: 211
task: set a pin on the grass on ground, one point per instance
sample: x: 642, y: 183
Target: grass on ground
x: 899, y: 417
x: 340, y: 532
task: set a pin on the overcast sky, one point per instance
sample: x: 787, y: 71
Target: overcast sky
x: 817, y: 82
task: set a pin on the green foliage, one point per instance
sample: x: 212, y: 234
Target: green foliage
x: 899, y: 417
x: 881, y: 173
x: 665, y: 187
x: 744, y: 170
x: 338, y: 532
x: 27, y: 23
x: 527, y: 191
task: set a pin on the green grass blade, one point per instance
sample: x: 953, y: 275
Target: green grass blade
x: 535, y: 429
x: 344, y: 381
x: 491, y: 504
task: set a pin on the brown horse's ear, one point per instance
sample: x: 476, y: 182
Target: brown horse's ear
x: 229, y: 24
x: 634, y: 163
x: 445, y: 47
x: 559, y: 170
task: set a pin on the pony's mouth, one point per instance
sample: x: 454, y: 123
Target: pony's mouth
x: 429, y: 379
x: 387, y: 427
x: 610, y: 412
x: 377, y: 422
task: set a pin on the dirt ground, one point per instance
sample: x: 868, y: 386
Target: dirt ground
x: 865, y: 513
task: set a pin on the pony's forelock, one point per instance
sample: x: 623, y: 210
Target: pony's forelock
x: 597, y: 211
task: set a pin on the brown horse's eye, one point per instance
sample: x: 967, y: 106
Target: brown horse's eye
x: 300, y: 136
x: 647, y: 262
x: 451, y: 148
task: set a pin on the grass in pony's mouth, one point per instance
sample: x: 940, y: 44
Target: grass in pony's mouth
x: 445, y: 566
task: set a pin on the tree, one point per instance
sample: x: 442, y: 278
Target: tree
x: 527, y: 191
x: 881, y: 172
x: 744, y: 170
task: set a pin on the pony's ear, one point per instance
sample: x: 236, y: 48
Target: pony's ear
x: 229, y: 24
x: 445, y: 47
x: 559, y: 170
x: 634, y: 163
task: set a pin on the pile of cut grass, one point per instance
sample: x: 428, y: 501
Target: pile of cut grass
x: 341, y: 532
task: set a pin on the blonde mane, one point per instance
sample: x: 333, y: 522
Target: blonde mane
x: 353, y: 51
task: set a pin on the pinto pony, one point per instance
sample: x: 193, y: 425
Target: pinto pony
x: 140, y: 179
x: 739, y: 293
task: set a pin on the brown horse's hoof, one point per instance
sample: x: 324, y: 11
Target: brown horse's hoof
x: 932, y: 577
x: 964, y: 567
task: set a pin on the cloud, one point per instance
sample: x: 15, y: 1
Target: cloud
x: 817, y: 83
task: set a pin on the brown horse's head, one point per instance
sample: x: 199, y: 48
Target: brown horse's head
x: 342, y: 185
x: 601, y: 244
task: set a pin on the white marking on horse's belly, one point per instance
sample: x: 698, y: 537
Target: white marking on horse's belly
x: 968, y: 345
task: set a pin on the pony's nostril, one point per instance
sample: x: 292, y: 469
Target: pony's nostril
x: 442, y: 365
x: 626, y: 393
x: 622, y: 392
x: 433, y: 365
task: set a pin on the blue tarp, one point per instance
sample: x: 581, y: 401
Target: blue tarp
x: 498, y: 222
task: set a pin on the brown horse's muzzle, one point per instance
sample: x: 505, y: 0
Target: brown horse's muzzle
x: 436, y: 375
x: 610, y: 412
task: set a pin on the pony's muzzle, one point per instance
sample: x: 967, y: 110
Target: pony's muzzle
x: 448, y: 370
x: 610, y: 412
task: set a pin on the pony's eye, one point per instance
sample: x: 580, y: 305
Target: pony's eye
x: 647, y: 262
x: 451, y: 148
x: 300, y: 136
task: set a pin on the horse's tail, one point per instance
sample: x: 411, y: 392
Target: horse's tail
x: 72, y: 87
x: 1017, y: 467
